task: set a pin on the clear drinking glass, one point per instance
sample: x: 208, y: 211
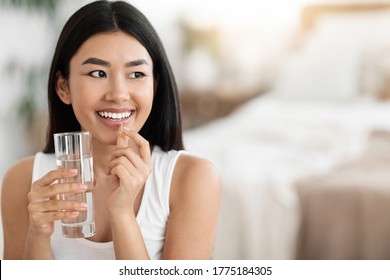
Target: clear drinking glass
x: 74, y: 151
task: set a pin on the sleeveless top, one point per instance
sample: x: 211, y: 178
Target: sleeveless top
x: 152, y: 215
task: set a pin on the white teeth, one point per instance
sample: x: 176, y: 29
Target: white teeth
x: 115, y: 116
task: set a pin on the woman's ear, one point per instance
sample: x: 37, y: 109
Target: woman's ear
x: 62, y: 88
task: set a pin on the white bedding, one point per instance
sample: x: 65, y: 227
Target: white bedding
x: 260, y: 151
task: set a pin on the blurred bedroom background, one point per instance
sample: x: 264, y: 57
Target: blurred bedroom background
x: 289, y: 99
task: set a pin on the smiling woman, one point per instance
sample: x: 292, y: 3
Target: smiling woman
x: 110, y: 76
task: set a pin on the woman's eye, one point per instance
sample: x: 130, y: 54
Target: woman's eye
x: 136, y: 75
x: 98, y: 74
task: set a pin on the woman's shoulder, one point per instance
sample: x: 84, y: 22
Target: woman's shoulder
x: 192, y: 165
x: 195, y: 176
x: 19, y: 175
x: 21, y: 167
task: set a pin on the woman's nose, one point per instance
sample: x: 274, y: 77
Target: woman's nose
x: 118, y: 91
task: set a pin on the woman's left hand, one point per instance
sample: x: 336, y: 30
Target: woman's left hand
x: 131, y: 165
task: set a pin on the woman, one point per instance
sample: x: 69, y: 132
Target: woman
x: 152, y: 200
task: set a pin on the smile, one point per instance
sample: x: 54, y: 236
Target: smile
x: 115, y: 116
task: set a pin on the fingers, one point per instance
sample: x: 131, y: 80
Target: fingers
x: 128, y: 164
x: 129, y: 161
x: 42, y: 218
x: 55, y: 189
x: 57, y: 205
x: 132, y: 164
x: 41, y: 191
x: 142, y: 143
x: 44, y: 192
x: 55, y: 175
x: 123, y: 155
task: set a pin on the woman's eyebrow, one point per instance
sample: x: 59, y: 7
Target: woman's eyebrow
x: 96, y: 61
x: 136, y: 62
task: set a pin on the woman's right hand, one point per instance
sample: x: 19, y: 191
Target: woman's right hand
x: 44, y: 207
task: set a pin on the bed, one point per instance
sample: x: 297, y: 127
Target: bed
x: 300, y: 176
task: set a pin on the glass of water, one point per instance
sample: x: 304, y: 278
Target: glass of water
x: 74, y: 151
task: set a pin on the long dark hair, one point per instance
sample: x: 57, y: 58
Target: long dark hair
x: 163, y: 126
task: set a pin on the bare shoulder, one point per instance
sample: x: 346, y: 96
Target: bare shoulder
x: 18, y: 178
x: 190, y: 167
x: 195, y: 175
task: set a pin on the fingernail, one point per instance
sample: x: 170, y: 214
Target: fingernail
x: 75, y: 213
x: 83, y: 187
x: 72, y: 171
x: 83, y: 205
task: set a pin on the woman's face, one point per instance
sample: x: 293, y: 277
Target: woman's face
x: 110, y: 83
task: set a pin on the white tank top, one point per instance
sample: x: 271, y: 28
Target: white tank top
x: 152, y: 216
